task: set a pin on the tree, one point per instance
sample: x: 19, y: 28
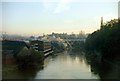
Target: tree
x: 106, y: 40
x: 27, y: 57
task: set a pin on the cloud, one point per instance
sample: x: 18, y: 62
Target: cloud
x: 62, y: 6
x: 61, y: 9
x: 57, y: 6
x: 47, y: 5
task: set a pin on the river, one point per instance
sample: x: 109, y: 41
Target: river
x: 68, y: 65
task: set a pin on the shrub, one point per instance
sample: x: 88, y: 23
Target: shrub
x: 28, y: 57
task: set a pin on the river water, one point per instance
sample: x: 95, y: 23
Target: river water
x: 68, y: 65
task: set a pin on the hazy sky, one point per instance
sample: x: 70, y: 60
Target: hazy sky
x: 33, y: 18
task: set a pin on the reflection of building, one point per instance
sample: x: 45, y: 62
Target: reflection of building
x: 43, y: 46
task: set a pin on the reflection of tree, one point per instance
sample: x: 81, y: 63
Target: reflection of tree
x: 79, y: 56
x: 29, y: 73
x: 106, y: 69
x: 14, y: 74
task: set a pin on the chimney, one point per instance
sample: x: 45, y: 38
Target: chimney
x: 101, y: 22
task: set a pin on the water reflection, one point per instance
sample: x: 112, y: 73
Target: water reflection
x: 66, y: 66
x: 26, y: 73
x: 105, y: 69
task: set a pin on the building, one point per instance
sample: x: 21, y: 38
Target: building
x: 10, y: 49
x: 42, y: 46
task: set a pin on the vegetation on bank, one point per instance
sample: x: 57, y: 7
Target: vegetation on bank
x: 29, y: 57
x: 102, y: 51
x: 57, y: 47
x: 78, y: 46
x: 106, y: 41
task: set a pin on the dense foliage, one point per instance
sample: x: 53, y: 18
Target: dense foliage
x: 106, y: 40
x: 78, y: 46
x: 29, y: 57
x: 57, y: 47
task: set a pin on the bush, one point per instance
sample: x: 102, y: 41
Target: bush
x: 28, y: 57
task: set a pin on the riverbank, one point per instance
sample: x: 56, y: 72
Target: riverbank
x: 7, y: 69
x: 12, y: 72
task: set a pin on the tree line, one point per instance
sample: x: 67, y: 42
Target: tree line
x: 106, y: 40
